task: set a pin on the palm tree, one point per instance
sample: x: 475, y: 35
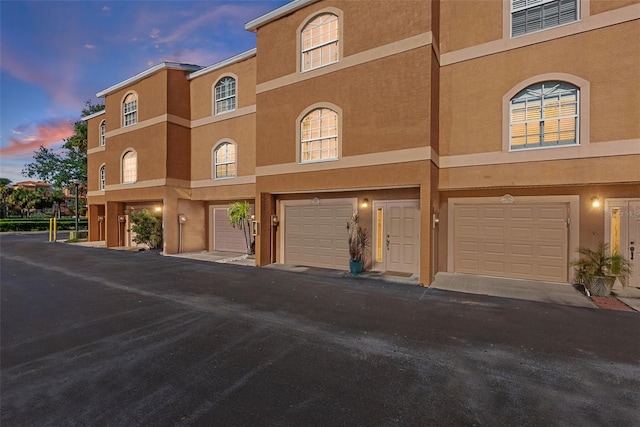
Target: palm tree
x: 240, y: 217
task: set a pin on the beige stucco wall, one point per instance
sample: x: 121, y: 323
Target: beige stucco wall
x: 600, y: 6
x: 471, y: 112
x: 379, y: 23
x: 202, y: 92
x: 241, y: 130
x: 385, y: 106
x: 465, y: 23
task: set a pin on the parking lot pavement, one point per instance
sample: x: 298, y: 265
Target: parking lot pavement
x: 92, y: 336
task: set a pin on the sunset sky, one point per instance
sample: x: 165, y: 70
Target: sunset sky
x: 55, y: 55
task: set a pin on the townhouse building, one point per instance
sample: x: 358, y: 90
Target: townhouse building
x: 469, y: 137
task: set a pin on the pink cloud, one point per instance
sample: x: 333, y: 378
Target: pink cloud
x: 89, y: 46
x: 30, y: 138
x: 59, y: 82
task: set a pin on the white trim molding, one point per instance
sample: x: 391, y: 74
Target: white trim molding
x: 405, y: 45
x: 146, y: 73
x: 234, y: 59
x: 372, y: 159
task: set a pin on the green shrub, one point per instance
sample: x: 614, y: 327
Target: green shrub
x: 148, y: 228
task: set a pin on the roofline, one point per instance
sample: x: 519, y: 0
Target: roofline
x: 146, y: 73
x: 277, y: 13
x: 91, y: 116
x: 237, y: 58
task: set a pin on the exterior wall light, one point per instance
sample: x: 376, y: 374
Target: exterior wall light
x: 365, y: 203
x: 595, y: 202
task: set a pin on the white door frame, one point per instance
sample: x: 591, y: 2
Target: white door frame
x: 382, y: 265
x: 625, y: 216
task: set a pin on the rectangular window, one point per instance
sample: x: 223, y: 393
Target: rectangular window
x: 528, y: 16
x: 131, y: 113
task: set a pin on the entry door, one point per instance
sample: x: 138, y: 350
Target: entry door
x: 397, y: 237
x: 623, y: 232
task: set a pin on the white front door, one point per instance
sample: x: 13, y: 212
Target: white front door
x: 397, y: 236
x: 622, y: 217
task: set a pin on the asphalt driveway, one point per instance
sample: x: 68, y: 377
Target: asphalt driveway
x: 100, y: 337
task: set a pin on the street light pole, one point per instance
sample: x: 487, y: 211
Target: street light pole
x: 76, y: 182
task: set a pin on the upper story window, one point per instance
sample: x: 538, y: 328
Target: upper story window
x: 102, y: 178
x: 544, y: 115
x: 225, y: 95
x: 319, y: 136
x: 528, y: 16
x: 130, y: 110
x: 103, y: 133
x: 129, y: 167
x: 319, y: 42
x: 224, y: 160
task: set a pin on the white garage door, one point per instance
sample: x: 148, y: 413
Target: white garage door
x: 317, y: 235
x: 225, y: 237
x: 520, y: 241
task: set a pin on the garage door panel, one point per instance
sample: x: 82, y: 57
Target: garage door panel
x: 225, y: 236
x: 512, y: 241
x: 521, y: 250
x: 317, y: 235
x: 553, y: 213
x: 522, y: 213
x: 494, y: 248
x: 521, y: 269
x: 493, y: 213
x: 494, y: 266
x: 493, y: 231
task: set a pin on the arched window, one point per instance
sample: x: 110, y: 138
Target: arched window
x: 225, y: 95
x: 319, y: 42
x: 544, y: 115
x: 102, y: 178
x: 319, y: 136
x: 129, y: 167
x: 224, y: 161
x: 130, y: 110
x: 103, y: 132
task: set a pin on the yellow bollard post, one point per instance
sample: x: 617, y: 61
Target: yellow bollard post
x: 55, y: 229
x: 51, y: 229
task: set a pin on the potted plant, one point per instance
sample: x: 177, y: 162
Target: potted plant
x: 597, y: 270
x: 358, y: 241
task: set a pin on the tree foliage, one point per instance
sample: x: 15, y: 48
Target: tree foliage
x: 60, y: 169
x: 147, y: 228
x: 27, y: 200
x: 5, y: 192
x: 240, y: 217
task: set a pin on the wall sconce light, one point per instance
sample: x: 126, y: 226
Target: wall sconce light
x: 365, y: 203
x: 158, y: 209
x: 595, y: 202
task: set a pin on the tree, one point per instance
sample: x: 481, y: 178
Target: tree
x: 147, y: 228
x: 5, y: 192
x: 240, y: 216
x: 60, y: 169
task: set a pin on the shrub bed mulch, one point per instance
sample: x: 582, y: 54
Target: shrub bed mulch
x: 610, y: 303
